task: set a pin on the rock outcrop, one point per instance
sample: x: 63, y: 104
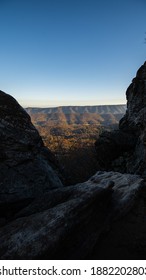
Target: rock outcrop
x: 124, y: 150
x: 27, y: 168
x: 67, y: 223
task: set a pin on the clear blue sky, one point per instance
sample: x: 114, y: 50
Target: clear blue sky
x: 70, y: 52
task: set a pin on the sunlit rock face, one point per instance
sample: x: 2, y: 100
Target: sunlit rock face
x: 26, y: 166
x: 125, y: 149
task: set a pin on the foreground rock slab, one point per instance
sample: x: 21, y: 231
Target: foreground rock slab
x: 71, y: 225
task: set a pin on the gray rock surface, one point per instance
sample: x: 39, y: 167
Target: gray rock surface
x: 69, y: 225
x: 26, y: 166
x: 125, y: 149
x: 134, y: 121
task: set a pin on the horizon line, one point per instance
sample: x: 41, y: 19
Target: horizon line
x: 54, y: 106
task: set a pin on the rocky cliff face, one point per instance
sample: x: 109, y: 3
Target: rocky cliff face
x: 26, y: 166
x: 125, y: 149
x: 135, y: 117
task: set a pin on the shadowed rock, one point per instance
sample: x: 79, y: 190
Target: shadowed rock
x: 26, y: 166
x: 69, y: 225
x: 125, y: 149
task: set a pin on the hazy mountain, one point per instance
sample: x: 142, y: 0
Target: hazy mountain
x: 103, y: 114
x: 100, y: 109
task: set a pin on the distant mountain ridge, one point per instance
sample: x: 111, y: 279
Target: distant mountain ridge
x: 99, y: 109
x: 100, y: 114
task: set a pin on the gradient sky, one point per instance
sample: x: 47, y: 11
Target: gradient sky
x: 70, y: 52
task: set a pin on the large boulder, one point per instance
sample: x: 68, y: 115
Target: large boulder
x: 27, y: 168
x: 69, y: 222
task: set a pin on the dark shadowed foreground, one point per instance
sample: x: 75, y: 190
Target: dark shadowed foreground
x: 102, y: 218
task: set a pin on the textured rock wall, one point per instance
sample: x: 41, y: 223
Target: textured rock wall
x: 125, y: 149
x: 26, y: 166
